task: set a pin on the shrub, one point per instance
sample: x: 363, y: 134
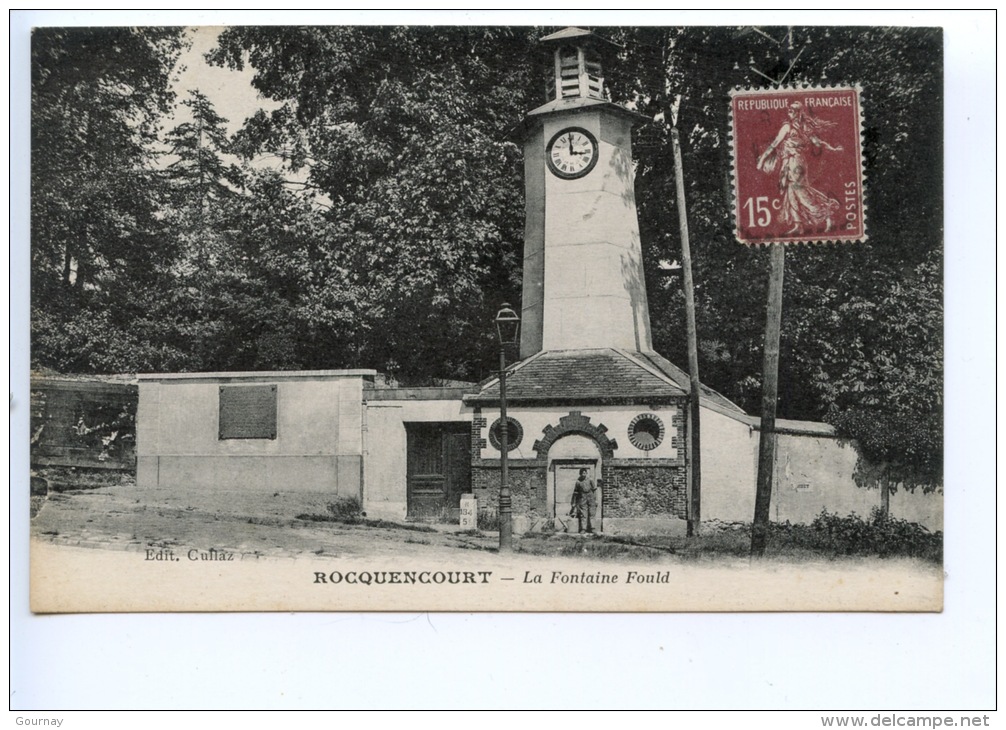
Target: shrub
x: 345, y: 509
x: 881, y: 535
x: 488, y: 519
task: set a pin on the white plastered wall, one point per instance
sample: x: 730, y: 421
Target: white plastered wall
x: 385, y: 491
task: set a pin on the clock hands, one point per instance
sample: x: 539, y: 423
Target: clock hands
x: 571, y: 150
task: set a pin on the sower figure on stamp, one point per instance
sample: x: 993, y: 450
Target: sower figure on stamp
x: 584, y: 501
x: 802, y: 205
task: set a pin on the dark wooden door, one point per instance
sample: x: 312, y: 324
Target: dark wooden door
x: 438, y: 467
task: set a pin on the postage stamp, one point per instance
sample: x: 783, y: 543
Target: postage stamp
x: 797, y: 165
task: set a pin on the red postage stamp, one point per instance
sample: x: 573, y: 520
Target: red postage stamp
x: 797, y: 167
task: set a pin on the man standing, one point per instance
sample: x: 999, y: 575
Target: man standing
x: 584, y: 501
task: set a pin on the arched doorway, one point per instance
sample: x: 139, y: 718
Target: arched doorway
x: 566, y: 457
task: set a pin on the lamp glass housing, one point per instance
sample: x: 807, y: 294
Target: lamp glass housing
x: 507, y: 325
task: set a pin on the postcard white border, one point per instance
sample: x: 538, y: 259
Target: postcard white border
x: 806, y: 661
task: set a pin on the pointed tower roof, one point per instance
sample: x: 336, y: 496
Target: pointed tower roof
x: 573, y: 33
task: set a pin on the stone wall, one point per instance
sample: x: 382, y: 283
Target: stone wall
x: 528, y: 487
x: 629, y: 489
x: 638, y: 485
x: 88, y: 424
x: 607, y: 425
x: 655, y: 488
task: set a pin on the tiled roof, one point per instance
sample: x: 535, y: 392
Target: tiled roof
x: 680, y: 377
x: 599, y: 376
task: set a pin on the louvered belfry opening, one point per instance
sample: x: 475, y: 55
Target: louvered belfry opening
x: 569, y: 71
x: 592, y: 74
x: 578, y: 74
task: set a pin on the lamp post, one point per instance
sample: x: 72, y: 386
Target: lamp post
x: 507, y: 326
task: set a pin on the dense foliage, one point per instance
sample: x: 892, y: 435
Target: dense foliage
x: 404, y: 132
x: 97, y: 98
x: 390, y: 226
x: 879, y: 534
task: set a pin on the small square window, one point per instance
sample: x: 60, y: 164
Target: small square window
x: 247, y: 411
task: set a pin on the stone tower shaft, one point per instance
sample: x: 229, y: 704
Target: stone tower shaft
x: 583, y: 284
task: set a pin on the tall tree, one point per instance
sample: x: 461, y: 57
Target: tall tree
x: 199, y: 173
x: 281, y: 296
x: 97, y: 96
x: 405, y: 133
x: 199, y: 186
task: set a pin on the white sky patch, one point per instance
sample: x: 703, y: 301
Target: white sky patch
x: 230, y: 92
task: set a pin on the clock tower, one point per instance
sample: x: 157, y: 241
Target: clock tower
x: 583, y: 270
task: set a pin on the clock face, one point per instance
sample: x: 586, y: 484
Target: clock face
x: 572, y: 153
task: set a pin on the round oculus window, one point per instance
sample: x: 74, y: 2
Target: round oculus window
x: 514, y: 433
x: 646, y: 431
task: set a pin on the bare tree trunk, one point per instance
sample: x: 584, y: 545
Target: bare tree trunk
x: 770, y: 396
x: 67, y: 259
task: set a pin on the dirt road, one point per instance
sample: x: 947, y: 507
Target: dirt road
x: 121, y: 518
x: 117, y: 549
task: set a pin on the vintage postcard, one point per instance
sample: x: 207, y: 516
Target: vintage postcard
x: 443, y: 318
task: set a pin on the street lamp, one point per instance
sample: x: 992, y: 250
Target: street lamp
x: 507, y: 326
